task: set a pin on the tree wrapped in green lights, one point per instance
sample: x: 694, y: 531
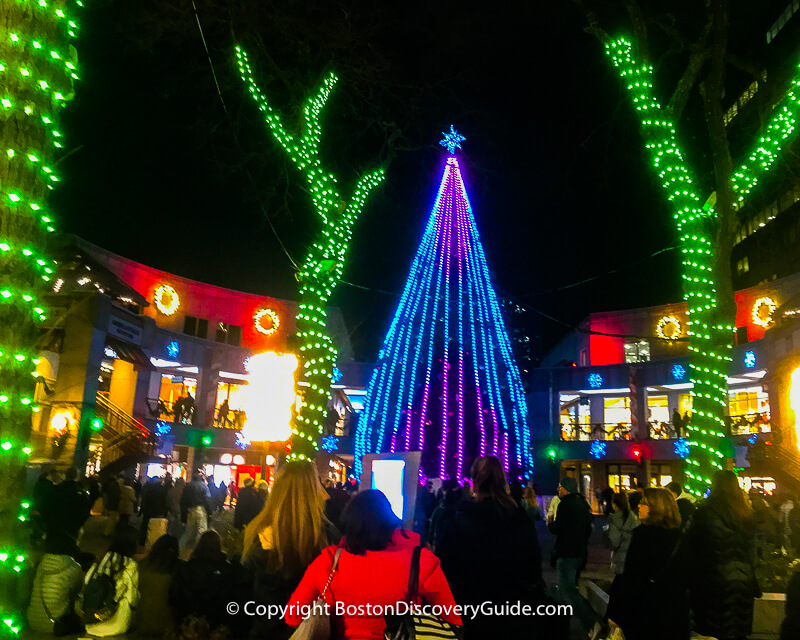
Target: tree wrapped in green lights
x: 37, y: 70
x: 323, y: 265
x: 705, y: 230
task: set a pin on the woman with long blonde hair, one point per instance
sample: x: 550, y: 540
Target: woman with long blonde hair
x: 283, y: 539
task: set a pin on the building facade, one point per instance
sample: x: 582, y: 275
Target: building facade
x: 142, y: 366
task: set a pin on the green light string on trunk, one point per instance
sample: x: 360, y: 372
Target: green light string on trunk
x: 710, y: 336
x: 323, y: 266
x: 38, y: 66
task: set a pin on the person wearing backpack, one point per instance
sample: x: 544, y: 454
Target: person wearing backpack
x: 111, y: 587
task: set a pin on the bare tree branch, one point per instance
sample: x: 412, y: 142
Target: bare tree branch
x: 592, y: 25
x: 639, y: 25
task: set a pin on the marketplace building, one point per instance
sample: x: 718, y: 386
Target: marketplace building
x: 146, y: 370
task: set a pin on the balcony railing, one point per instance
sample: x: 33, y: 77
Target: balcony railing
x: 596, y: 431
x: 178, y: 412
x: 744, y: 424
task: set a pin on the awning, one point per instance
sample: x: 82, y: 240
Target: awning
x: 129, y: 352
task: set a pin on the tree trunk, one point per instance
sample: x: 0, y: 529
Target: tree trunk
x: 37, y: 79
x: 317, y: 351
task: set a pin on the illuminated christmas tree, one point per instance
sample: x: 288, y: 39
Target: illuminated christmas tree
x: 37, y: 69
x: 445, y: 382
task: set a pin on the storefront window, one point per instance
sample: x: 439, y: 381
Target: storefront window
x: 658, y: 419
x: 617, y: 418
x: 575, y: 416
x: 176, y: 399
x: 660, y: 475
x: 748, y: 410
x: 621, y: 477
x: 228, y: 412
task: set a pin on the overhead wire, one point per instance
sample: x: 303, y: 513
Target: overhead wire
x: 236, y: 139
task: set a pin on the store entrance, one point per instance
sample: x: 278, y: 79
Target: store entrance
x: 622, y: 477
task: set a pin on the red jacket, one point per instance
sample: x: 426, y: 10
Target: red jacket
x: 377, y: 578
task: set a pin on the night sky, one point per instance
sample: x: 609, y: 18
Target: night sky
x: 155, y: 170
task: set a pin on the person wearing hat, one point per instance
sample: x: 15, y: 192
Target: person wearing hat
x: 572, y: 528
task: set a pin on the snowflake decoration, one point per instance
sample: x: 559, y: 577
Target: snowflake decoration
x: 163, y: 428
x: 595, y: 380
x: 752, y: 439
x: 750, y: 359
x: 330, y: 443
x: 678, y: 371
x: 241, y: 440
x: 598, y: 449
x: 173, y: 349
x: 452, y: 140
x: 682, y: 448
x: 337, y: 374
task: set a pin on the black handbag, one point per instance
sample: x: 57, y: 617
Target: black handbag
x: 417, y: 626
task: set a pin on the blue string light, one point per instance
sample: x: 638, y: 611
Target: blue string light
x: 330, y: 443
x: 163, y: 428
x: 241, y: 440
x: 682, y: 448
x: 598, y: 449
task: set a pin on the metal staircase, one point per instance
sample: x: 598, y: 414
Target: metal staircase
x: 125, y: 440
x: 776, y: 461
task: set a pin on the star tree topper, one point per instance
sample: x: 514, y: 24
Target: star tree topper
x: 452, y: 140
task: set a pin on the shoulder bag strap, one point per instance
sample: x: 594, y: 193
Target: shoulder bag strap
x: 413, y: 576
x: 334, y: 568
x: 44, y: 604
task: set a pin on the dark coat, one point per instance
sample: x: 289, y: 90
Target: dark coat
x: 572, y: 526
x: 649, y: 599
x: 492, y: 555
x: 202, y: 587
x: 248, y: 504
x: 722, y: 555
x: 271, y: 587
x: 790, y: 628
x: 154, y: 500
x: 65, y: 513
x: 686, y: 508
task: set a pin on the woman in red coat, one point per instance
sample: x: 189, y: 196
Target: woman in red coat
x: 373, y: 572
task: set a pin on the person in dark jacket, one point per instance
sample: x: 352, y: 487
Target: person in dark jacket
x: 204, y: 584
x: 248, y: 504
x: 572, y: 528
x: 444, y: 513
x: 721, y: 544
x: 649, y: 598
x: 66, y: 512
x: 154, y: 616
x: 154, y: 505
x: 490, y: 553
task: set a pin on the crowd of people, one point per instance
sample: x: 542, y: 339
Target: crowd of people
x: 679, y: 565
